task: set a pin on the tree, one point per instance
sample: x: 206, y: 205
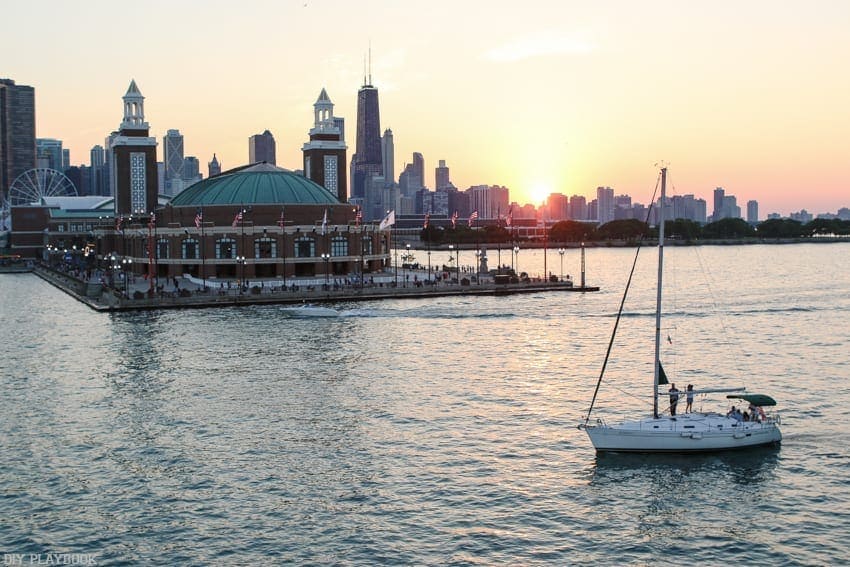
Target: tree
x: 570, y: 231
x: 628, y: 229
x: 728, y: 228
x: 827, y: 226
x: 683, y: 228
x: 779, y: 228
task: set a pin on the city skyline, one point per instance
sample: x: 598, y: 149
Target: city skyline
x: 745, y: 97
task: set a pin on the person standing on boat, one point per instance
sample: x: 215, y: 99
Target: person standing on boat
x: 674, y: 398
x: 689, y: 407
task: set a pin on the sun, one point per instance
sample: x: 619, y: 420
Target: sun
x: 539, y: 192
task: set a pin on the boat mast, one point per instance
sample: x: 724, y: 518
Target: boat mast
x: 658, y: 292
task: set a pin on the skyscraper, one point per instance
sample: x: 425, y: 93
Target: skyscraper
x: 719, y: 194
x: 578, y: 207
x: 261, y: 147
x: 605, y: 204
x: 388, y: 155
x: 172, y: 156
x: 49, y: 153
x: 214, y: 167
x: 324, y: 155
x: 133, y: 159
x: 367, y: 159
x: 17, y: 132
x: 97, y: 176
x: 441, y: 177
x: 753, y: 212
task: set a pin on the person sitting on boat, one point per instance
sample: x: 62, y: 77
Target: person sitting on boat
x: 689, y: 406
x: 674, y: 398
x: 756, y: 413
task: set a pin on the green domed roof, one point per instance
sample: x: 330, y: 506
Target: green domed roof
x: 256, y: 184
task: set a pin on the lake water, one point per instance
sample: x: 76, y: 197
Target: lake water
x: 430, y: 431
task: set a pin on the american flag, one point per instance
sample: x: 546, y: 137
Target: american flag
x: 358, y: 217
x: 427, y: 220
x: 118, y: 223
x: 325, y: 222
x: 199, y: 218
x: 473, y: 216
x: 510, y: 216
x: 280, y: 223
x: 238, y: 218
x: 454, y: 220
x: 152, y: 222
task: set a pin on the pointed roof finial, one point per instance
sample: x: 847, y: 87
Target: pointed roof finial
x: 323, y: 96
x: 133, y: 89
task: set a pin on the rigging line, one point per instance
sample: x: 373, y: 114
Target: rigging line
x: 707, y: 276
x: 622, y: 303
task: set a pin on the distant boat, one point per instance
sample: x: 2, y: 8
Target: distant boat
x: 310, y: 310
x: 685, y: 432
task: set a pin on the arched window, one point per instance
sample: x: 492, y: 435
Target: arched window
x: 191, y: 251
x: 225, y: 248
x: 162, y: 249
x: 265, y: 248
x: 339, y: 246
x: 305, y: 247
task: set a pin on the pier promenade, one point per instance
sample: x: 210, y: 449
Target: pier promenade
x: 186, y: 293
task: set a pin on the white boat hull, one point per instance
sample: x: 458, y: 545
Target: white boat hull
x: 689, y: 433
x: 310, y: 311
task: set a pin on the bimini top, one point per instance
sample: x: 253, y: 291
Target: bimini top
x: 256, y: 184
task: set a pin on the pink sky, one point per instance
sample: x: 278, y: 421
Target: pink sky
x: 538, y: 96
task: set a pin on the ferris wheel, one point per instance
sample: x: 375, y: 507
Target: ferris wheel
x: 33, y: 185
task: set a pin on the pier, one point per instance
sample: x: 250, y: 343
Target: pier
x: 188, y: 294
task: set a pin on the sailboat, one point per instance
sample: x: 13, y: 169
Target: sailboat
x: 666, y: 432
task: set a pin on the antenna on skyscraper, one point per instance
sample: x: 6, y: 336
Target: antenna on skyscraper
x: 364, y: 70
x: 370, y: 61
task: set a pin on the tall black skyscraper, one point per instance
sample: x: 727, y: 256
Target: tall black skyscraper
x: 367, y: 160
x: 17, y: 132
x: 261, y: 147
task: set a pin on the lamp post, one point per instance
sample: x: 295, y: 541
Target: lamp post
x: 561, y: 251
x: 241, y: 261
x: 327, y: 258
x: 582, y: 264
x: 125, y: 264
x: 516, y: 264
x: 406, y: 261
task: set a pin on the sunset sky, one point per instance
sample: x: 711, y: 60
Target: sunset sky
x: 539, y: 96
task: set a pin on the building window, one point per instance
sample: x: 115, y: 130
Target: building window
x: 162, y: 248
x: 305, y: 247
x: 331, y: 180
x: 367, y: 245
x: 225, y: 249
x: 339, y: 246
x: 138, y: 182
x: 190, y: 249
x: 265, y: 248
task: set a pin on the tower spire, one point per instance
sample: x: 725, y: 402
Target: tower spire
x: 370, y: 61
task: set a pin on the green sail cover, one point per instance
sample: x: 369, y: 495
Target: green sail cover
x: 662, y: 376
x: 755, y: 399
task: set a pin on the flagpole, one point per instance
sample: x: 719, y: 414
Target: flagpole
x: 203, y: 254
x: 499, y: 240
x: 283, y: 243
x: 395, y: 253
